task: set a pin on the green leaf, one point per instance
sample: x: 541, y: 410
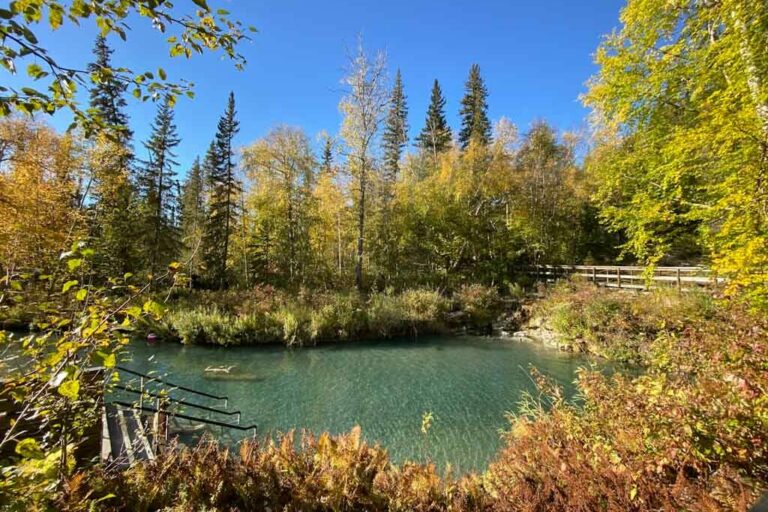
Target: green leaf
x: 81, y: 294
x: 74, y: 264
x: 105, y: 497
x: 35, y: 71
x: 161, y: 73
x: 202, y: 4
x: 70, y: 389
x: 68, y: 285
x: 133, y: 311
x: 29, y: 449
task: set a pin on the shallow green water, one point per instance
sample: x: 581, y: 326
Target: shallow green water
x: 468, y: 383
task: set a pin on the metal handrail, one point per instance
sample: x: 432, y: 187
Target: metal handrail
x: 176, y: 386
x: 178, y: 401
x: 185, y: 416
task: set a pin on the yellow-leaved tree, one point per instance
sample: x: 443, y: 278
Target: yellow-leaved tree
x: 681, y: 115
x: 40, y: 196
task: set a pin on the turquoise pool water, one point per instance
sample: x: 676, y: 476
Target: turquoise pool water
x: 468, y: 383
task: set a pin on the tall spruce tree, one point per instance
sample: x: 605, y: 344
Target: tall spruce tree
x: 436, y: 135
x: 395, y: 135
x: 113, y: 221
x: 106, y: 96
x: 157, y: 189
x: 193, y: 215
x: 475, y: 125
x: 225, y: 190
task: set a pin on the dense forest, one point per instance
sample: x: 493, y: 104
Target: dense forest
x: 372, y: 207
x: 376, y: 205
x: 372, y: 229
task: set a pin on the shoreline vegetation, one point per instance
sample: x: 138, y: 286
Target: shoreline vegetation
x: 264, y: 315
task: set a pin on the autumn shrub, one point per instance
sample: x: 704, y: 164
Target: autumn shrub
x: 211, y: 325
x: 689, y: 433
x: 334, y: 473
x: 482, y: 304
x: 337, y: 317
x: 258, y: 298
x: 294, y: 321
x: 619, y: 325
x: 424, y: 307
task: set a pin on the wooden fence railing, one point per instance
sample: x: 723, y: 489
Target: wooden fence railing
x: 682, y: 278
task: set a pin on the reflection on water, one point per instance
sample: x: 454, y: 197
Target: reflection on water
x: 468, y: 383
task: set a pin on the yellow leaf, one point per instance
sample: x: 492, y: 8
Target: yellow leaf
x: 70, y: 389
x: 29, y: 449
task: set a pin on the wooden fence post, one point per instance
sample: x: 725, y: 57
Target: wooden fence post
x: 594, y: 275
x: 618, y: 276
x: 679, y: 281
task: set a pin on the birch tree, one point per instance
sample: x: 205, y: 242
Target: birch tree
x: 680, y: 106
x: 363, y: 107
x: 281, y: 170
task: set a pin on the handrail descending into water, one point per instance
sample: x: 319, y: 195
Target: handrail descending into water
x: 153, y: 410
x: 176, y: 386
x: 178, y: 401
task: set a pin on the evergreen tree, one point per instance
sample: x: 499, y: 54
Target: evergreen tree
x: 157, y: 188
x: 225, y: 191
x: 475, y: 125
x: 326, y: 164
x: 113, y: 223
x: 436, y: 135
x: 395, y: 134
x: 192, y: 222
x: 106, y: 96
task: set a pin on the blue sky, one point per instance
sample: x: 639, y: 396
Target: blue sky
x: 535, y: 56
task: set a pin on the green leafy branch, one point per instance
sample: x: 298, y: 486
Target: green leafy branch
x: 195, y: 33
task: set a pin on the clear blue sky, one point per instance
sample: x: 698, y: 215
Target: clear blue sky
x: 535, y: 56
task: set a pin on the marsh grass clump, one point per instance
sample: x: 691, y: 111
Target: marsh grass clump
x: 481, y: 303
x: 305, y: 319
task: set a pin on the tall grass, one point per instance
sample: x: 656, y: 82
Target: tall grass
x: 297, y: 321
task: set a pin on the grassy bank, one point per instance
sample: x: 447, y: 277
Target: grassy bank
x: 264, y: 315
x: 690, y: 433
x: 617, y: 325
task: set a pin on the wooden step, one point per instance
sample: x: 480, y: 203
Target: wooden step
x: 125, y: 438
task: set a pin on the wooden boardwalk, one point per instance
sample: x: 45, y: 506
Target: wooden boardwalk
x: 630, y: 277
x: 125, y: 436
